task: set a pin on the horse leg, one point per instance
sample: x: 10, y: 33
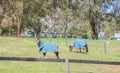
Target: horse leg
x: 57, y: 55
x: 80, y: 50
x: 85, y: 48
x: 44, y: 55
x: 70, y: 48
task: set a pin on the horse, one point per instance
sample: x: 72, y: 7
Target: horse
x: 45, y: 47
x: 79, y: 44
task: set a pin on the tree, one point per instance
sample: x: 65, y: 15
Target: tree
x: 3, y: 5
x: 110, y: 9
x: 94, y: 17
x: 11, y: 8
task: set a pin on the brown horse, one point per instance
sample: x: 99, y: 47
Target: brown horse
x: 79, y: 44
x: 45, y: 47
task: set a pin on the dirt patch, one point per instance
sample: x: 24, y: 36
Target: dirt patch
x: 110, y: 67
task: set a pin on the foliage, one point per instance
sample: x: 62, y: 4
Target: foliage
x: 61, y: 16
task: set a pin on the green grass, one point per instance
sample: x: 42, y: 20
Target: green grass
x: 26, y: 47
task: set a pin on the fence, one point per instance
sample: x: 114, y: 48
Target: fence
x: 67, y: 61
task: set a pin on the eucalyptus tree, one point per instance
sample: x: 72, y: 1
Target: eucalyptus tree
x: 13, y: 9
x: 94, y: 17
x: 7, y: 8
x: 34, y: 14
x: 30, y: 15
x: 79, y: 13
x: 3, y: 5
x: 110, y: 9
x: 117, y: 13
x: 65, y: 14
x: 16, y: 16
x: 38, y: 13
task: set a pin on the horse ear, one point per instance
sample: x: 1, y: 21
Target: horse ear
x: 37, y: 40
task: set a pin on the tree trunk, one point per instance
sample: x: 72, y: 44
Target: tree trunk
x: 94, y: 34
x: 93, y: 26
x: 17, y: 25
x: 2, y: 11
x: 17, y: 31
x: 93, y: 23
x: 0, y: 31
x: 1, y: 17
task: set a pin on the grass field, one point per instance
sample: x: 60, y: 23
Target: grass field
x: 27, y: 48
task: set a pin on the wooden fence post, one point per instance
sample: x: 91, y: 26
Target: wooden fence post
x: 67, y: 65
x: 35, y: 36
x: 105, y: 48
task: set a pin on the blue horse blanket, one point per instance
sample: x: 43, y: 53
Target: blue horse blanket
x: 47, y: 47
x: 79, y: 43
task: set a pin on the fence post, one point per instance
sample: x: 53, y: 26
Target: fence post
x: 35, y: 36
x: 66, y: 40
x: 67, y: 65
x: 105, y: 48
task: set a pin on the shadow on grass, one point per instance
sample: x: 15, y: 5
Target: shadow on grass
x: 58, y: 60
x: 77, y: 52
